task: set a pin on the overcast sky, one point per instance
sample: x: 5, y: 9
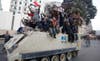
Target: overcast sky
x: 95, y: 21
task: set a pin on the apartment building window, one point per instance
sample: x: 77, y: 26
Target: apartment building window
x: 15, y: 8
x: 19, y: 8
x: 19, y: 12
x: 11, y: 5
x: 20, y: 3
x: 25, y: 4
x: 15, y: 2
x: 25, y: 9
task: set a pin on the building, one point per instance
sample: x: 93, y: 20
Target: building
x: 5, y: 20
x: 0, y: 6
x: 19, y: 6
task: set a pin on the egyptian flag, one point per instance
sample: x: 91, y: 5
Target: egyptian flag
x: 37, y: 3
x: 30, y: 14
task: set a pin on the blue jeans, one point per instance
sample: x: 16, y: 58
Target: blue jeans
x: 53, y: 32
x: 75, y: 36
x: 87, y: 43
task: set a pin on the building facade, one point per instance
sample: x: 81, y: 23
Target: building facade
x: 0, y: 6
x: 19, y: 6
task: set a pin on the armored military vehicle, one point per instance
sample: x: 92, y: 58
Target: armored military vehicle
x: 40, y: 46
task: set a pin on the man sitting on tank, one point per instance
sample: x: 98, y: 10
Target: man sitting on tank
x: 75, y: 21
x: 23, y: 30
x: 53, y: 27
x: 78, y: 21
x: 71, y: 27
x: 74, y: 26
x: 67, y: 29
x: 45, y: 22
x: 29, y: 22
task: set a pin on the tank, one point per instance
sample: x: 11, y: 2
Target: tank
x: 40, y: 46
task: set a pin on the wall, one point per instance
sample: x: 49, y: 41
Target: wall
x: 17, y: 21
x: 5, y: 20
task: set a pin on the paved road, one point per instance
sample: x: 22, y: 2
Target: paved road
x: 3, y: 56
x: 91, y: 53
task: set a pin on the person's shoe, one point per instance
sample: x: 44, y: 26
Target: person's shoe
x: 54, y: 36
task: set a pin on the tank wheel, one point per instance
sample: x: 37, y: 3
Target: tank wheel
x: 55, y: 58
x: 62, y: 57
x: 69, y: 56
x: 45, y: 59
x: 75, y: 53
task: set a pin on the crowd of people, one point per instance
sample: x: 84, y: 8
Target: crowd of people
x: 55, y: 23
x: 51, y: 23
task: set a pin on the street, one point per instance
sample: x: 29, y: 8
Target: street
x: 89, y: 53
x: 85, y: 54
x: 3, y: 56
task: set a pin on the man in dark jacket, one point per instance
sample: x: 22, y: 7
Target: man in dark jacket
x: 6, y: 36
x: 45, y: 24
x: 67, y: 29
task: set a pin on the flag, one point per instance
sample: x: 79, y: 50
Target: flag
x: 30, y: 14
x: 37, y: 4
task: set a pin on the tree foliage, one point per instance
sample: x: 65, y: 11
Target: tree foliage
x: 85, y: 7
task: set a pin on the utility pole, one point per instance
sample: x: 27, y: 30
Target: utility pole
x: 0, y: 6
x: 13, y: 10
x: 13, y: 18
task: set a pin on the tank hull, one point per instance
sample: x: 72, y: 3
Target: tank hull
x: 39, y: 44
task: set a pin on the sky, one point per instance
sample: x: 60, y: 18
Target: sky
x: 5, y: 4
x: 95, y: 21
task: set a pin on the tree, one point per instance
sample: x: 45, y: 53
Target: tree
x: 85, y: 7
